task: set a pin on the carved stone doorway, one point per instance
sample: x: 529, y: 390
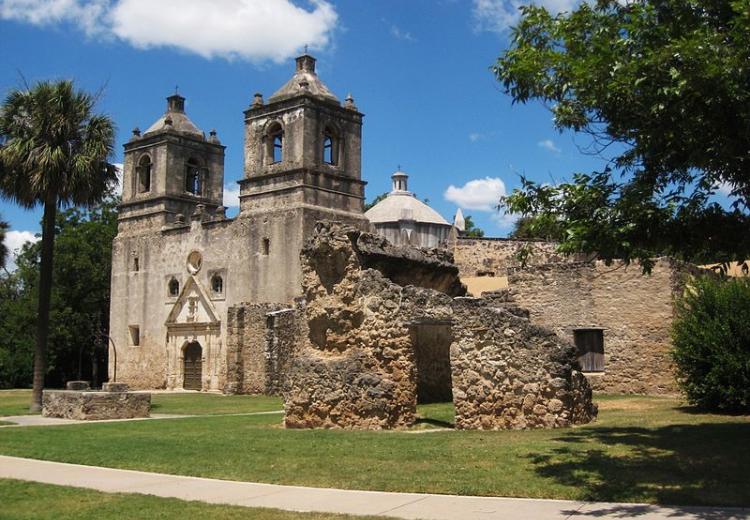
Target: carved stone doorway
x: 193, y: 366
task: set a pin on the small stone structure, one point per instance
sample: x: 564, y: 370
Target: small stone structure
x: 357, y: 365
x: 113, y: 402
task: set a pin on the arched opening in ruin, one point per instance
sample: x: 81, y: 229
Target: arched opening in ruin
x: 431, y: 341
x: 192, y: 366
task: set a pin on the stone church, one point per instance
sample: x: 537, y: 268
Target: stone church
x: 204, y: 302
x: 179, y: 263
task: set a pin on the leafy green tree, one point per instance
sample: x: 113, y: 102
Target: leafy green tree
x: 712, y: 344
x: 374, y: 201
x: 471, y: 229
x: 541, y: 227
x: 662, y: 87
x: 54, y: 152
x: 79, y: 305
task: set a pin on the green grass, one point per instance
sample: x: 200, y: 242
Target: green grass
x: 15, y: 402
x: 213, y: 404
x: 6, y: 423
x: 642, y: 449
x: 26, y: 500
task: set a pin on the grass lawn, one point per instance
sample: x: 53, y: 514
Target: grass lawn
x: 642, y: 449
x: 16, y: 402
x: 26, y: 500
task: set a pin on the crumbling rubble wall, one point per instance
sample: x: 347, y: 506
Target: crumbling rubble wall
x: 510, y: 374
x: 356, y: 366
x: 260, y: 337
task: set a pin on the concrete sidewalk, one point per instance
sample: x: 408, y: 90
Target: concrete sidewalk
x: 295, y: 498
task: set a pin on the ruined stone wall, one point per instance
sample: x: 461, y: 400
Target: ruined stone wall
x: 493, y: 256
x: 357, y: 365
x: 510, y: 374
x: 635, y: 310
x: 260, y: 338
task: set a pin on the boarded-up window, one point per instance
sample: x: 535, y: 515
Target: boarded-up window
x: 590, y: 345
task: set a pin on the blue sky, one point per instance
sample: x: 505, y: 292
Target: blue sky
x: 418, y: 70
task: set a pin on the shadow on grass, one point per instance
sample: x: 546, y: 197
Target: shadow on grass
x: 435, y: 422
x: 694, y: 465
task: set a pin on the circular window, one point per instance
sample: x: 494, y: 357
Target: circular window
x: 194, y: 262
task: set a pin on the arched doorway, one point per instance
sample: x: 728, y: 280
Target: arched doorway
x: 193, y: 366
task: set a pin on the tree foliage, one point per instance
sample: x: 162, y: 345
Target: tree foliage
x: 662, y: 87
x: 79, y: 306
x: 712, y: 344
x: 53, y: 153
x: 540, y: 227
x: 471, y: 229
x: 371, y: 204
x: 3, y: 248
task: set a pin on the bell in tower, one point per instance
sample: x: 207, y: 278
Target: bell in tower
x: 303, y: 149
x: 170, y: 169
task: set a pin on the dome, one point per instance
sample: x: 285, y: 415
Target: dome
x: 304, y: 81
x: 401, y: 204
x: 175, y: 119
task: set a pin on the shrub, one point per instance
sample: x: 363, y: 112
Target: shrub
x: 712, y: 344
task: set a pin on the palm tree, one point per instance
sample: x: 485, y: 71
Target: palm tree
x: 53, y: 152
x: 3, y: 248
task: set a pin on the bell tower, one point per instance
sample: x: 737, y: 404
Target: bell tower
x: 170, y: 171
x: 303, y: 149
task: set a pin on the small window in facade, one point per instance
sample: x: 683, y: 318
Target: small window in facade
x: 144, y: 174
x: 174, y: 288
x: 217, y: 284
x: 135, y: 335
x: 276, y: 143
x: 136, y: 264
x: 590, y: 346
x: 328, y: 156
x: 193, y: 180
x: 266, y: 246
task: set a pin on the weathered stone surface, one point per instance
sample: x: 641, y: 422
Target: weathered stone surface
x: 114, y: 387
x: 357, y: 366
x: 510, y: 374
x: 635, y: 311
x: 77, y: 385
x: 90, y: 406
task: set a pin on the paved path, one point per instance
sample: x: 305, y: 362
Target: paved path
x: 295, y: 498
x: 39, y: 420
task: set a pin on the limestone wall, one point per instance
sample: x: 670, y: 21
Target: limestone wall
x: 510, y: 374
x: 493, y: 256
x: 635, y: 310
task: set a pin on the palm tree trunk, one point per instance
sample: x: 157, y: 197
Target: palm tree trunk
x: 45, y: 291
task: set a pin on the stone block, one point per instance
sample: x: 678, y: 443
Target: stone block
x: 89, y: 406
x: 77, y: 385
x: 114, y: 387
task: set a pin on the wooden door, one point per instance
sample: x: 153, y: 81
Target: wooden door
x: 193, y: 367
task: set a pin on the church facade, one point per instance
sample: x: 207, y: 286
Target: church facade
x: 179, y: 263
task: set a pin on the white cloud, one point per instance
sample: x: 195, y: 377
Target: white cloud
x: 548, y: 145
x: 477, y: 194
x: 475, y: 136
x: 724, y: 188
x: 14, y: 241
x: 402, y: 35
x: 504, y: 220
x: 118, y: 187
x: 255, y: 30
x: 232, y: 196
x: 499, y: 15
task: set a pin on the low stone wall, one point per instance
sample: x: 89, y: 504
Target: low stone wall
x: 510, y: 374
x: 92, y: 405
